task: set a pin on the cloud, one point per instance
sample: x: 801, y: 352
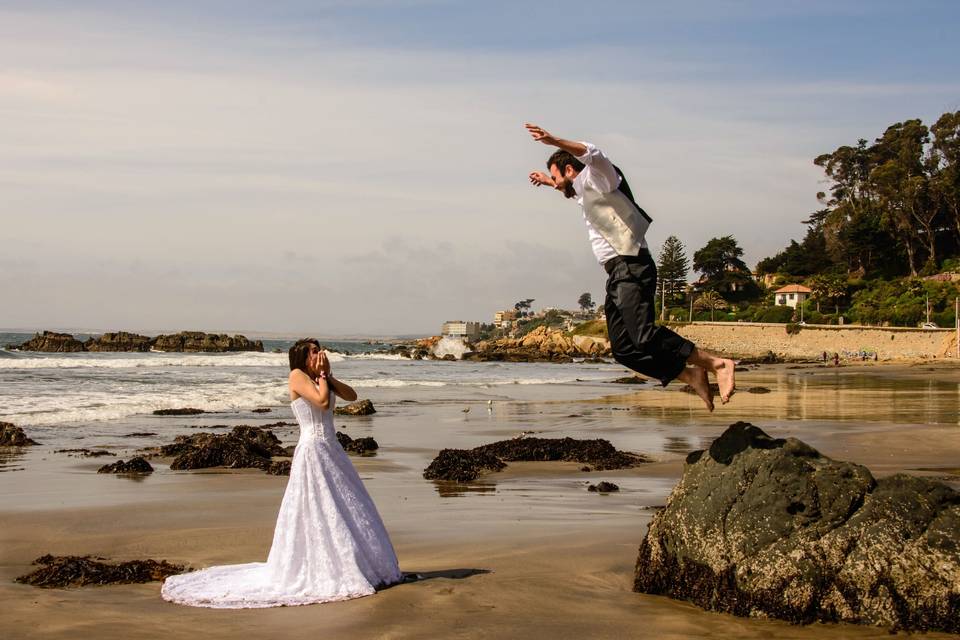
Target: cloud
x: 251, y: 172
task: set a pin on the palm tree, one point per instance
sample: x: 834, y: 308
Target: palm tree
x: 710, y: 300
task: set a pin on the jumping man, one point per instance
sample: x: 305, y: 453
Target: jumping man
x: 617, y: 226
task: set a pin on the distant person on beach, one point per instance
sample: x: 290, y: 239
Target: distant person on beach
x: 616, y: 226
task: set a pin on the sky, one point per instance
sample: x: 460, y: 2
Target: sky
x: 359, y: 167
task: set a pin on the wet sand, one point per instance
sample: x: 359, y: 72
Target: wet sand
x: 526, y: 552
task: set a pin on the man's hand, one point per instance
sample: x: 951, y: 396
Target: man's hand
x: 541, y: 135
x: 539, y: 178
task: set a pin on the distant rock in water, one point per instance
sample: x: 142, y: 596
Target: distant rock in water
x: 134, y: 465
x: 766, y: 527
x: 261, y: 410
x: 79, y: 571
x: 359, y: 446
x: 714, y: 388
x: 758, y: 390
x: 630, y: 380
x: 603, y: 487
x: 120, y: 341
x: 13, y: 436
x: 52, y: 342
x: 186, y: 411
x: 197, y: 341
x: 463, y: 465
x: 359, y: 408
x: 185, y: 341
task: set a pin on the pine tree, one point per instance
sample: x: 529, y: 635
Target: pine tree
x: 672, y: 269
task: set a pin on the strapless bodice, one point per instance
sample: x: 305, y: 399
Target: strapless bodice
x: 315, y: 423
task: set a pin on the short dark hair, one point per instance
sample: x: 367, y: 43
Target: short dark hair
x: 562, y: 159
x: 299, y: 353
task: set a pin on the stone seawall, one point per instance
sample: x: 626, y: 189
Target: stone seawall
x: 756, y: 339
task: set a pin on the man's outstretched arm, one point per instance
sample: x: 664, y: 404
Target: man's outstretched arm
x: 578, y: 149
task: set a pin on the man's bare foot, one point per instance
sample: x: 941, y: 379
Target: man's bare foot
x: 700, y: 383
x: 725, y: 379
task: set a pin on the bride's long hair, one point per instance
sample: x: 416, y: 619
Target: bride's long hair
x: 300, y: 352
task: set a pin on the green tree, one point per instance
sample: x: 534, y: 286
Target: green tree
x: 828, y: 288
x: 710, y: 300
x: 723, y: 269
x: 586, y: 302
x: 522, y: 307
x: 672, y: 269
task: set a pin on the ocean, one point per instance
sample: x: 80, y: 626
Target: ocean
x: 65, y: 390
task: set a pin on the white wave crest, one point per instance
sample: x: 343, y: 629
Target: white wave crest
x: 158, y: 359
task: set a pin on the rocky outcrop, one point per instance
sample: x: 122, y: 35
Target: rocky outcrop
x: 185, y: 341
x: 52, y: 342
x: 85, y: 453
x: 603, y: 487
x: 462, y: 465
x: 79, y: 571
x: 120, y: 341
x: 197, y: 341
x: 185, y: 411
x: 243, y: 448
x: 133, y: 465
x: 13, y: 436
x: 540, y: 345
x: 768, y: 527
x: 359, y: 446
x: 358, y: 408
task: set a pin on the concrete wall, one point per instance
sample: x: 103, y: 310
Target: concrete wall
x: 755, y: 339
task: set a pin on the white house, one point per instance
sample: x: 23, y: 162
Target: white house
x: 791, y: 295
x: 460, y: 328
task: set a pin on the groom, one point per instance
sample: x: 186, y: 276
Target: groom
x: 616, y: 226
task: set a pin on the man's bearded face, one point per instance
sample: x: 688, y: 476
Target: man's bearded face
x: 562, y: 182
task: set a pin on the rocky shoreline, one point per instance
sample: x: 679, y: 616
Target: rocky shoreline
x: 123, y: 341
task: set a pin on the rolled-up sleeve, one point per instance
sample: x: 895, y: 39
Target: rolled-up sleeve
x: 602, y: 176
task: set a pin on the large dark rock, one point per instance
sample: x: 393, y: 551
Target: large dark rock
x: 197, y: 341
x: 462, y: 465
x: 78, y: 571
x: 134, y: 465
x: 597, y: 452
x: 359, y: 446
x: 13, y: 436
x: 52, y: 342
x: 119, y: 341
x: 243, y: 448
x: 769, y: 527
x: 358, y: 408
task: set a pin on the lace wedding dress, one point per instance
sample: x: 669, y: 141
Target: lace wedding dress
x: 329, y: 543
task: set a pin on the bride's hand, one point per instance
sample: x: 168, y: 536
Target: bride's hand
x: 324, y: 363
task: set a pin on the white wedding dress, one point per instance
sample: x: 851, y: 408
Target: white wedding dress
x: 329, y: 543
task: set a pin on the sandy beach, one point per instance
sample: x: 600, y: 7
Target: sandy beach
x: 527, y: 552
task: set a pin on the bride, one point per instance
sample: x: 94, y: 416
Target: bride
x: 329, y: 543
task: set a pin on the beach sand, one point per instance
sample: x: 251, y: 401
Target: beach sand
x: 527, y: 552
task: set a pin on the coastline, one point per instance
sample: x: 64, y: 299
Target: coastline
x: 561, y: 558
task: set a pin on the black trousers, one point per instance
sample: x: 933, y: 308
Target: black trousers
x: 635, y: 339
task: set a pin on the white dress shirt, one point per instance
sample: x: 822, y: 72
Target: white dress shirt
x: 598, y: 173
